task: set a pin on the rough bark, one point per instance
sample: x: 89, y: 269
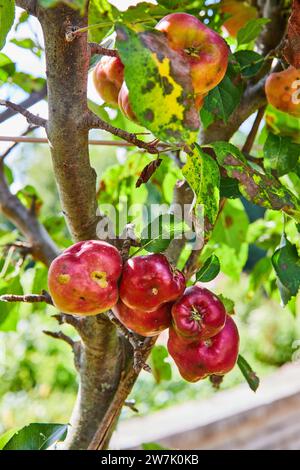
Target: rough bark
x: 98, y: 360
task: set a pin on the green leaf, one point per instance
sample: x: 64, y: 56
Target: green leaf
x: 283, y: 123
x: 248, y: 373
x: 157, y: 236
x: 7, y: 67
x: 7, y: 16
x: 36, y: 436
x: 286, y: 262
x: 9, y: 312
x: 207, y: 118
x: 202, y: 174
x: 158, y: 84
x: 209, y: 270
x: 4, y: 438
x: 260, y: 274
x: 161, y: 369
x: 28, y: 43
x: 280, y: 154
x: 250, y: 62
x: 29, y: 83
x: 228, y: 304
x: 256, y: 187
x: 222, y: 100
x: 251, y: 31
x: 228, y: 240
x: 101, y: 11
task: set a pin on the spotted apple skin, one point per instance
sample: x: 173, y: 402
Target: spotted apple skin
x: 215, y: 356
x: 144, y: 323
x: 282, y: 90
x: 150, y: 281
x: 205, y: 50
x: 198, y: 314
x: 83, y: 280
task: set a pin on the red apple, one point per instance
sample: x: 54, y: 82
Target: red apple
x: 198, y: 314
x: 150, y: 281
x: 108, y: 78
x: 205, y: 50
x: 83, y: 279
x: 215, y: 356
x: 144, y: 323
x: 124, y: 104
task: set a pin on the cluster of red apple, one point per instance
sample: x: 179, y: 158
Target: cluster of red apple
x: 205, y: 51
x: 148, y: 296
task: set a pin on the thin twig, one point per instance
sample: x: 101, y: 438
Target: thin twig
x: 29, y: 298
x: 31, y: 118
x: 96, y: 48
x: 32, y: 99
x: 136, y: 343
x: 43, y: 140
x: 94, y: 122
x: 7, y: 152
x: 60, y: 335
x: 252, y: 134
x: 131, y: 404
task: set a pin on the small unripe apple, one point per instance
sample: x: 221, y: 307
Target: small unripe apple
x: 282, y: 90
x: 239, y: 13
x: 124, y: 103
x: 108, y: 78
x: 83, y: 279
x: 205, y: 50
x: 214, y: 356
x: 150, y: 281
x: 198, y: 314
x: 144, y: 323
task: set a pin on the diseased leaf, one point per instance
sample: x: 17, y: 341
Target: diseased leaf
x: 280, y: 154
x: 202, y: 174
x: 7, y: 16
x: 248, y: 373
x: 148, y: 171
x: 209, y: 270
x: 161, y: 92
x: 256, y: 187
x: 286, y: 262
x: 36, y: 436
x: 229, y: 188
x: 251, y: 30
